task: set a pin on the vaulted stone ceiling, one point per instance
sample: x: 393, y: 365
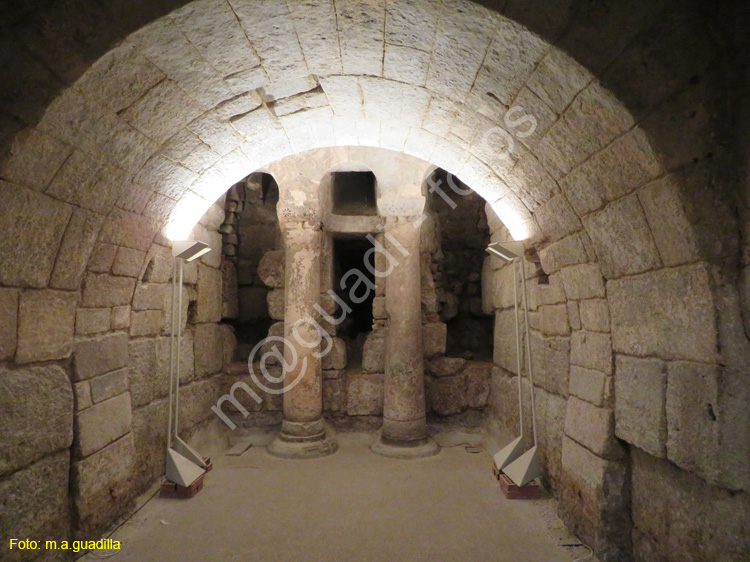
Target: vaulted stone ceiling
x: 123, y: 138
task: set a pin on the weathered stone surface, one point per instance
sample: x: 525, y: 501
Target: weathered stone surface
x: 364, y: 394
x: 108, y: 385
x: 152, y: 296
x: 504, y: 350
x: 146, y: 322
x: 208, y: 348
x: 128, y: 229
x: 553, y: 320
x: 334, y: 395
x: 102, y: 257
x: 551, y: 358
x: 149, y: 435
x: 148, y: 370
x: 46, y: 324
x: 590, y: 385
x: 574, y: 315
x: 592, y: 350
x: 712, y: 521
x: 557, y: 218
x: 595, y: 495
x: 209, y: 303
x: 162, y: 111
x: 271, y: 268
x: 92, y: 320
x: 196, y: 399
x: 76, y: 246
x: 120, y: 317
x: 9, y: 325
x: 103, y: 485
x: 446, y: 366
x: 37, y: 406
x: 103, y: 423
x: 434, y: 338
x: 622, y: 238
x: 501, y: 287
x: 447, y: 395
x: 373, y: 354
x: 641, y: 327
x: 640, y: 391
x: 336, y: 357
x: 693, y: 417
x: 477, y: 383
x: 275, y: 301
x: 82, y: 393
x: 230, y: 306
x: 595, y: 315
x: 593, y: 428
x: 36, y: 502
x: 100, y: 355
x: 670, y: 226
x: 583, y: 282
x: 552, y: 292
x: 568, y: 251
x: 101, y: 291
x: 128, y: 262
x: 27, y: 261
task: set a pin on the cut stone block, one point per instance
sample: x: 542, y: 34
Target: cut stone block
x: 589, y: 385
x: 102, y: 291
x: 373, y: 354
x: 334, y: 395
x: 37, y: 406
x: 595, y: 315
x: 103, y: 485
x: 478, y: 377
x: 364, y: 394
x: 694, y: 417
x: 208, y: 349
x: 92, y: 320
x: 100, y: 355
x: 103, y: 423
x: 271, y: 268
x: 46, y: 325
x: 640, y: 326
x: 447, y: 395
x: 592, y: 350
x: 593, y: 428
x: 336, y: 357
x: 434, y: 338
x: 209, y: 303
x: 446, y: 366
x: 9, y: 325
x: 106, y: 386
x: 640, y: 415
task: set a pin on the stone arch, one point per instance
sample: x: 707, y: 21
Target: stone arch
x: 97, y: 175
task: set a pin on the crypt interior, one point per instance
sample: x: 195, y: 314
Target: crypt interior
x: 342, y: 345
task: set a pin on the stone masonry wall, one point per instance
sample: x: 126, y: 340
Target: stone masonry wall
x: 85, y: 380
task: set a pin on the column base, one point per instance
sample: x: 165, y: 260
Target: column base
x: 397, y: 449
x: 302, y: 440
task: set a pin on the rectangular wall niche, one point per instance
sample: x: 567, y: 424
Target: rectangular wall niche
x: 354, y: 193
x: 349, y: 255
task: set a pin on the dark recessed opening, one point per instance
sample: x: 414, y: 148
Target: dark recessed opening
x: 354, y: 282
x: 354, y: 193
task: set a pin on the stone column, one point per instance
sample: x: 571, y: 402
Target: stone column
x: 303, y: 434
x: 404, y: 432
